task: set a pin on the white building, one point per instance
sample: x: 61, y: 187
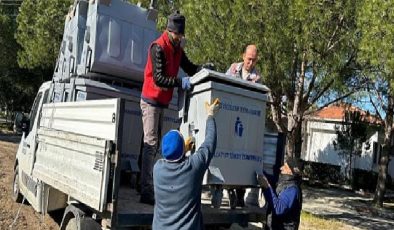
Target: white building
x: 319, y: 136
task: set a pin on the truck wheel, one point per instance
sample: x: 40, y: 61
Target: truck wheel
x: 86, y: 223
x: 72, y: 224
x: 16, y: 194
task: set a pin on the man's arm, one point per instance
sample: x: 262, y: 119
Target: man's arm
x: 207, y: 149
x: 158, y: 63
x: 284, y: 202
x: 231, y: 70
x: 187, y: 66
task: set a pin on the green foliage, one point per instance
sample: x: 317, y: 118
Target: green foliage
x: 165, y: 8
x: 7, y: 42
x: 217, y: 31
x: 17, y: 89
x: 40, y: 30
x: 352, y: 133
x: 17, y: 86
x: 376, y: 19
x: 325, y: 173
x: 307, y: 49
x: 283, y: 30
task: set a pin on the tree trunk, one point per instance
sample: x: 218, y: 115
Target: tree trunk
x: 294, y: 137
x: 384, y: 157
x: 299, y: 140
x: 290, y: 144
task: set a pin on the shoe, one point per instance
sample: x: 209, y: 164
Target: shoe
x: 147, y: 200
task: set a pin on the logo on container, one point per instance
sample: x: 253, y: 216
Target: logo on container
x: 238, y: 127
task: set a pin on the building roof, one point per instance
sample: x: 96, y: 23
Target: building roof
x: 337, y: 112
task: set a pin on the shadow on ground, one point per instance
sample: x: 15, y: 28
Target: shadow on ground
x: 351, y: 208
x: 9, y: 137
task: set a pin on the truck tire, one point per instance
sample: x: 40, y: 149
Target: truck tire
x: 86, y: 223
x: 72, y: 224
x: 16, y: 194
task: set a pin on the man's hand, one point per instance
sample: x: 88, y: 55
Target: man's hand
x: 262, y: 181
x: 189, y: 143
x: 186, y: 83
x: 213, y: 107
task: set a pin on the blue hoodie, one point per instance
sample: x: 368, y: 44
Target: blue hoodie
x: 178, y: 186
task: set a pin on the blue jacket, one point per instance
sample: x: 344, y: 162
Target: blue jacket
x: 284, y: 204
x: 178, y: 186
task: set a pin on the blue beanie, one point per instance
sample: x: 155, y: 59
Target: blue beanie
x: 172, y: 145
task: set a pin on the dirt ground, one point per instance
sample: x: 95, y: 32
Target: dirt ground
x: 28, y: 218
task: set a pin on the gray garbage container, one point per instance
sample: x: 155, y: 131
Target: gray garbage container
x: 240, y: 126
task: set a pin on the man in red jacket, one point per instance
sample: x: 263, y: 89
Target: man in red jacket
x: 165, y: 56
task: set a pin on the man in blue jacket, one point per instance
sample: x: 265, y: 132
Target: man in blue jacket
x: 285, y: 202
x: 178, y: 179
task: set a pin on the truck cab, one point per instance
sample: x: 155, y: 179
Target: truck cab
x: 26, y: 151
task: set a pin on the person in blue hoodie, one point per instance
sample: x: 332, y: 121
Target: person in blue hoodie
x: 284, y: 202
x: 177, y: 179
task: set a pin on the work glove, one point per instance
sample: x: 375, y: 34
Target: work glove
x: 262, y: 181
x: 213, y: 107
x: 186, y: 83
x: 208, y: 65
x: 189, y: 143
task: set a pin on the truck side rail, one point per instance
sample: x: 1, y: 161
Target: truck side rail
x: 76, y: 141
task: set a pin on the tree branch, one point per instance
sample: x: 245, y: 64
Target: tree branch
x: 320, y: 93
x: 331, y: 44
x: 277, y: 112
x: 311, y: 83
x: 331, y: 102
x: 300, y: 86
x: 375, y: 107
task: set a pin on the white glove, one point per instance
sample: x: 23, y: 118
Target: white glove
x: 213, y: 107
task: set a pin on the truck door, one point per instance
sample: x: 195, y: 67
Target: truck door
x: 28, y: 147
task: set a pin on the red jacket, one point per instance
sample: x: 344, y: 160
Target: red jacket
x: 150, y: 91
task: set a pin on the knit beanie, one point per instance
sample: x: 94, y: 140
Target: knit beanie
x: 172, y: 145
x: 176, y: 23
x: 294, y: 165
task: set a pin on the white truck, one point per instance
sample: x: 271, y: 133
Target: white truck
x: 82, y: 140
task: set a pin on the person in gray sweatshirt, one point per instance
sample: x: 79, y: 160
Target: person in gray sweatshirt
x: 177, y: 179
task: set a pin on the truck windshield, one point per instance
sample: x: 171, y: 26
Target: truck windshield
x: 33, y: 112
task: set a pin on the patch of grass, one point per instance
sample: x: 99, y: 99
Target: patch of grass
x: 310, y: 221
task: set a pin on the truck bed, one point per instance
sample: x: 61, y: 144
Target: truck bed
x: 133, y: 213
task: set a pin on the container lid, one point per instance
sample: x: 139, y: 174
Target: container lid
x: 209, y: 75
